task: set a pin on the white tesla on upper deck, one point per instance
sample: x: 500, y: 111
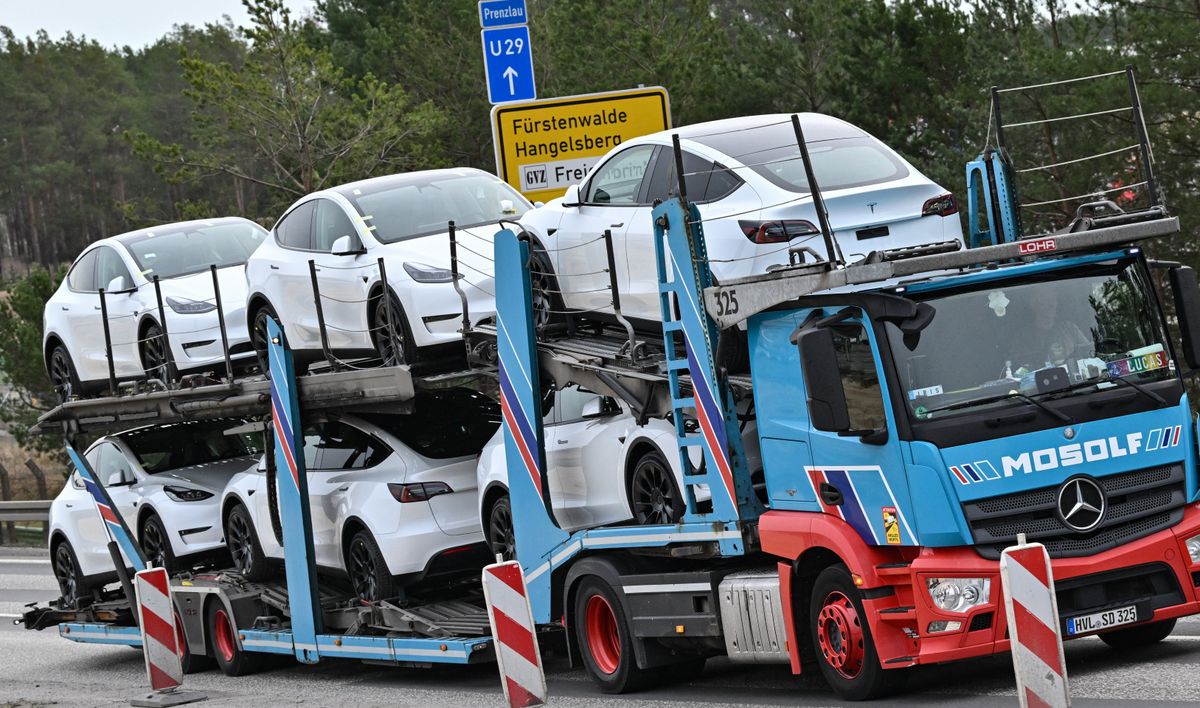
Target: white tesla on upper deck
x: 748, y: 180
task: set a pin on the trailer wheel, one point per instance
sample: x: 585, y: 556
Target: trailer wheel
x: 1141, y: 636
x: 603, y: 636
x: 842, y: 638
x: 190, y: 662
x: 222, y: 634
x: 241, y: 539
x: 368, y: 569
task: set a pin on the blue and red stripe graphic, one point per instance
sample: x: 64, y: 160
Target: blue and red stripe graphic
x: 522, y: 432
x: 712, y: 422
x: 283, y: 433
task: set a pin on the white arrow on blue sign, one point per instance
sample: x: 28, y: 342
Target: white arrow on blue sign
x: 508, y: 64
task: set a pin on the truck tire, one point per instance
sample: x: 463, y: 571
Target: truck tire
x: 368, y: 570
x: 1142, y: 635
x: 604, y: 639
x: 842, y: 639
x: 241, y: 538
x: 223, y: 640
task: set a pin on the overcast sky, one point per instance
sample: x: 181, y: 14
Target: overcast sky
x: 135, y: 23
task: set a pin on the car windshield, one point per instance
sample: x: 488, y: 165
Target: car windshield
x: 444, y: 425
x: 407, y: 206
x: 1048, y: 334
x: 173, y: 251
x: 171, y: 447
x: 843, y: 157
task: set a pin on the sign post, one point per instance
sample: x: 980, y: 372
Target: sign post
x: 543, y: 147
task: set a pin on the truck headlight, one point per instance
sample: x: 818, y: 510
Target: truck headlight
x: 1193, y: 546
x: 184, y: 306
x: 428, y: 274
x: 959, y: 594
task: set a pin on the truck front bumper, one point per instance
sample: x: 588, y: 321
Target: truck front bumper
x: 1154, y: 573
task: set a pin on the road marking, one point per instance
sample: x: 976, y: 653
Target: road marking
x: 9, y: 615
x: 24, y: 561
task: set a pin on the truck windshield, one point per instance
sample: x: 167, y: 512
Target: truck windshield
x: 1050, y: 334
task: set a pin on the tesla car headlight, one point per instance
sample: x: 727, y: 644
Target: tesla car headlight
x: 1193, y: 546
x: 428, y: 274
x: 959, y: 594
x: 186, y: 494
x: 189, y: 307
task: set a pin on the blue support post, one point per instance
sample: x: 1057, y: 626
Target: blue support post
x: 292, y: 482
x: 537, y: 533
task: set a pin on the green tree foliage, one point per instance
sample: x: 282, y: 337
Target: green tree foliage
x: 21, y: 353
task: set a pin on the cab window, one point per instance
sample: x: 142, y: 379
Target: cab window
x: 619, y: 181
x: 295, y: 229
x: 860, y: 377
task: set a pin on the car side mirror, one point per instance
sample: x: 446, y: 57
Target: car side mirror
x: 117, y: 479
x: 1186, y: 290
x: 118, y: 284
x: 823, y: 380
x: 571, y: 196
x: 347, y: 246
x: 600, y: 407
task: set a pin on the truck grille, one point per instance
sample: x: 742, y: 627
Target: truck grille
x: 1139, y: 503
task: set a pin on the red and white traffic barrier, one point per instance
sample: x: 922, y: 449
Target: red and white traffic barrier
x: 160, y: 643
x: 1033, y: 627
x: 517, y: 653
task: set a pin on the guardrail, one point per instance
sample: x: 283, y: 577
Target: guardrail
x: 33, y: 510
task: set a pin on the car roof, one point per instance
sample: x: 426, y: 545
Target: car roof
x: 403, y: 178
x: 175, y: 226
x: 817, y: 126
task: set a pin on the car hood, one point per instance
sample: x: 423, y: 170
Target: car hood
x: 475, y: 251
x: 199, y: 286
x: 211, y: 477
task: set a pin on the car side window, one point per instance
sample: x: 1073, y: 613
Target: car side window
x: 109, y: 266
x: 570, y: 403
x: 295, y: 229
x: 706, y: 181
x: 112, y: 462
x: 618, y: 182
x: 82, y: 277
x: 860, y: 377
x: 330, y: 224
x: 338, y: 446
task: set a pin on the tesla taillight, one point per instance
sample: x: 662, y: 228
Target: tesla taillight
x: 776, y: 231
x: 418, y: 491
x: 944, y: 205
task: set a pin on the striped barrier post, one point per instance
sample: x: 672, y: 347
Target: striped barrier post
x: 517, y: 653
x: 1033, y: 627
x: 160, y: 641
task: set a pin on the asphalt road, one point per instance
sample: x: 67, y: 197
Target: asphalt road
x: 40, y: 668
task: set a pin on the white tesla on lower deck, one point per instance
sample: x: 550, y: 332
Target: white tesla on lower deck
x: 166, y: 483
x: 391, y: 496
x: 748, y: 180
x: 603, y: 468
x: 124, y: 266
x: 345, y: 230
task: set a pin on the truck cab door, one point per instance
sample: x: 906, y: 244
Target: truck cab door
x: 859, y: 475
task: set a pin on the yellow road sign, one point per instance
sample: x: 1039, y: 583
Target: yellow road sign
x: 544, y: 146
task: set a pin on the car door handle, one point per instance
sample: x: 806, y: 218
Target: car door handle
x: 561, y: 442
x: 617, y: 226
x: 66, y: 309
x: 69, y: 505
x: 274, y: 267
x: 344, y: 489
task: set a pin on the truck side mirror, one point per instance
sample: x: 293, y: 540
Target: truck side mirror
x: 823, y: 380
x: 1187, y: 308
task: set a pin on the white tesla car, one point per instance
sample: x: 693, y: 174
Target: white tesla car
x: 392, y: 496
x: 748, y: 181
x: 345, y: 230
x: 166, y: 483
x: 602, y: 466
x: 124, y: 266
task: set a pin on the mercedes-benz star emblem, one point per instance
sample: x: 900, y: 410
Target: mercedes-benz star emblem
x: 1081, y: 504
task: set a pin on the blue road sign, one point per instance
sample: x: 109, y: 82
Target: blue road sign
x: 508, y: 64
x: 498, y: 13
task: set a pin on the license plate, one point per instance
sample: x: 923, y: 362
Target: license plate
x: 1097, y: 621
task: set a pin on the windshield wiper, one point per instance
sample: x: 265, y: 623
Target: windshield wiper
x: 1113, y: 380
x: 1059, y: 415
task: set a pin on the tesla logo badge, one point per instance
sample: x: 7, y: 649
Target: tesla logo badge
x: 1081, y: 504
x: 872, y: 205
